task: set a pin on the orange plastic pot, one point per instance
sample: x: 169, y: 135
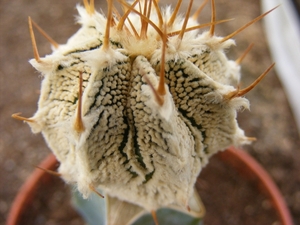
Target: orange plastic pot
x: 251, y: 169
x: 237, y: 159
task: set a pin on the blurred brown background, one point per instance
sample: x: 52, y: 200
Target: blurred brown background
x: 270, y: 119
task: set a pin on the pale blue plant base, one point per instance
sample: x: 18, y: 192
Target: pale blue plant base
x: 93, y: 211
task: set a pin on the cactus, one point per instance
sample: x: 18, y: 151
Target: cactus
x: 135, y: 104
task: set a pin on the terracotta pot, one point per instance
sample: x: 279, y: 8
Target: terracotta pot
x: 250, y: 168
x: 28, y: 190
x: 239, y: 160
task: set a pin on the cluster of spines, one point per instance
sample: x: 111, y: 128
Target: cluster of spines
x: 161, y: 30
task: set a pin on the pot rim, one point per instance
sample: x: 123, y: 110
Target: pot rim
x: 234, y: 157
x: 241, y: 160
x: 27, y: 190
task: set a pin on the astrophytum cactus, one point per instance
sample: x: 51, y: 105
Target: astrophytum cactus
x: 134, y: 105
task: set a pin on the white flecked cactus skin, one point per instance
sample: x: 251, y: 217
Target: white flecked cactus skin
x: 134, y: 142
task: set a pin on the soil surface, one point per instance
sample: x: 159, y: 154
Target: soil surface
x: 270, y: 119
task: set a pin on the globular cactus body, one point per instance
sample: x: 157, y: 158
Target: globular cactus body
x: 135, y: 105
